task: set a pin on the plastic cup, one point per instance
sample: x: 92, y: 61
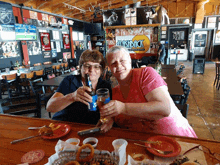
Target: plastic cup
x: 120, y: 149
x: 73, y: 141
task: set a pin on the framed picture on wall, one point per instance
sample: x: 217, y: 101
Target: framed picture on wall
x: 45, y: 41
x: 9, y: 49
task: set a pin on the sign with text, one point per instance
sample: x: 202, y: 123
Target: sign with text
x: 66, y: 41
x: 45, y: 41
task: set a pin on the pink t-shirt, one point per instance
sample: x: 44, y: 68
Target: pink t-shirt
x: 144, y: 80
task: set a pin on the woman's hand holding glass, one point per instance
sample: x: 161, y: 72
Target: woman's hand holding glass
x: 113, y: 108
x: 81, y: 95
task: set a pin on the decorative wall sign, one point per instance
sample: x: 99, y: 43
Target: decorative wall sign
x: 54, y: 53
x: 136, y: 40
x: 25, y: 32
x: 66, y: 41
x: 45, y: 41
x: 55, y: 22
x: 6, y: 13
x: 9, y: 49
x: 200, y: 40
x: 45, y: 17
x: 34, y: 48
x: 33, y: 14
x: 47, y: 54
x: 7, y: 32
x: 65, y: 21
x: 66, y: 55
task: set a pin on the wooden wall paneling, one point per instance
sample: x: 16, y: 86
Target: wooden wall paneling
x: 71, y: 41
x: 39, y: 16
x: 26, y: 13
x: 17, y: 13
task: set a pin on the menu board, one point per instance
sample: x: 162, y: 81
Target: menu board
x: 25, y: 32
x: 45, y: 41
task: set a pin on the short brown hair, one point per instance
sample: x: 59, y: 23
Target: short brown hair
x: 93, y: 56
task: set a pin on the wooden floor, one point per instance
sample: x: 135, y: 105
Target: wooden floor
x: 204, y: 102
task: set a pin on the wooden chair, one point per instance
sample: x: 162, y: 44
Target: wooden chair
x: 20, y: 105
x: 217, y: 75
x: 57, y: 70
x: 37, y: 64
x: 65, y: 67
x: 48, y: 73
x: 24, y: 81
x: 11, y: 83
x: 47, y: 63
x: 44, y: 97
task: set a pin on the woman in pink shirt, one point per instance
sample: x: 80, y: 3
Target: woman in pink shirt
x: 141, y: 101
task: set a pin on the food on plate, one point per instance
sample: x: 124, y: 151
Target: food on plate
x: 45, y: 130
x: 138, y: 157
x: 53, y: 127
x: 73, y: 163
x: 89, y: 157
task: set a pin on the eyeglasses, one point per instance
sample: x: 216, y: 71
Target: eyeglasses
x: 207, y: 151
x: 96, y: 67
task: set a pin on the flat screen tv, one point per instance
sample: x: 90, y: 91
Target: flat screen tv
x: 25, y: 32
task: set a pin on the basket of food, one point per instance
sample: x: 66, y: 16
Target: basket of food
x: 85, y: 155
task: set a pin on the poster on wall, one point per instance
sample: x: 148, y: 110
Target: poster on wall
x: 25, y: 32
x: 6, y: 13
x: 9, y: 49
x: 136, y: 40
x: 200, y: 40
x: 45, y: 17
x: 7, y: 32
x: 47, y: 54
x: 34, y: 48
x: 66, y: 41
x: 66, y: 55
x: 135, y: 44
x: 33, y: 14
x: 114, y: 17
x: 54, y: 53
x: 45, y: 41
x: 55, y: 22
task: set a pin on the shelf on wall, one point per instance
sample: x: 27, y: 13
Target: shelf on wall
x: 130, y: 26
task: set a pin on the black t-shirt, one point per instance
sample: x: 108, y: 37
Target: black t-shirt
x: 77, y: 111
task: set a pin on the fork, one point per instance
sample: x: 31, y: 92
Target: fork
x: 159, y: 151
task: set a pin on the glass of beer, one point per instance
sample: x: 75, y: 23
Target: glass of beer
x: 103, y: 97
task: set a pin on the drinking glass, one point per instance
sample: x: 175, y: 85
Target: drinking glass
x: 102, y: 98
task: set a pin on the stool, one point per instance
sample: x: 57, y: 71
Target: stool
x: 217, y: 75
